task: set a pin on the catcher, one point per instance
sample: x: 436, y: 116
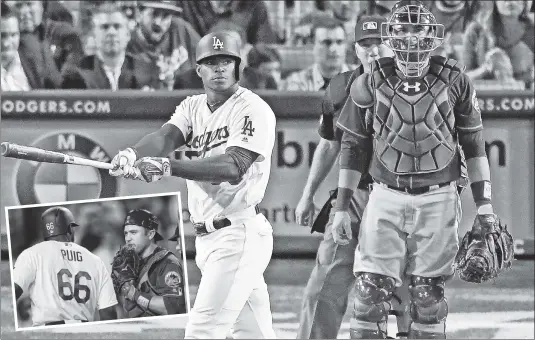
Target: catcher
x: 421, y: 108
x: 148, y: 279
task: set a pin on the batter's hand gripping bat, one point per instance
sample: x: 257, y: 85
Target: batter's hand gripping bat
x: 40, y: 155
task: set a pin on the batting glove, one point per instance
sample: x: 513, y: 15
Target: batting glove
x: 341, y: 228
x: 151, y: 169
x: 122, y: 161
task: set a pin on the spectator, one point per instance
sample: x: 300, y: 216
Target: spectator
x: 54, y: 10
x: 380, y: 7
x: 329, y: 56
x: 249, y: 77
x: 501, y: 72
x: 86, y: 8
x: 502, y: 24
x: 20, y: 71
x: 342, y: 11
x: 48, y: 39
x: 267, y: 61
x: 164, y: 39
x: 251, y: 16
x: 455, y: 15
x: 111, y: 67
x: 130, y: 8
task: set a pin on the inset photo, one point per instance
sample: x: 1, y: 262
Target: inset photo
x: 97, y: 261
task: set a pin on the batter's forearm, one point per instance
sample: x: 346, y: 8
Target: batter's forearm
x: 323, y: 161
x: 216, y: 169
x: 154, y: 145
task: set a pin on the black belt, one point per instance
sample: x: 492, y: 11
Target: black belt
x: 418, y: 191
x: 59, y: 322
x: 200, y: 228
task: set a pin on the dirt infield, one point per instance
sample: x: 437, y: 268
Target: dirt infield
x: 501, y: 309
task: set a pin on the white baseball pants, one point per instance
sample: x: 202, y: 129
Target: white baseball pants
x: 232, y: 293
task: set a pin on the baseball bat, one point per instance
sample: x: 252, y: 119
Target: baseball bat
x: 40, y: 155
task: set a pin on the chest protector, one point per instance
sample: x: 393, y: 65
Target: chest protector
x: 412, y: 120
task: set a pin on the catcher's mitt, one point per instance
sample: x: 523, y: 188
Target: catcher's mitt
x: 126, y: 266
x: 485, y: 251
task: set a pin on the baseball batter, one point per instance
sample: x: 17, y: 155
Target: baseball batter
x: 420, y: 109
x: 155, y: 286
x: 327, y: 291
x: 66, y: 283
x: 228, y: 133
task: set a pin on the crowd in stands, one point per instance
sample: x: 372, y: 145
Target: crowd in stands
x: 286, y: 45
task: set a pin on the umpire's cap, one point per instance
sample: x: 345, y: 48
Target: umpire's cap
x: 143, y: 218
x: 176, y: 235
x: 369, y: 27
x: 57, y: 221
x: 220, y: 43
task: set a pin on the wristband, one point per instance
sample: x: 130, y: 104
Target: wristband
x: 132, y: 294
x: 143, y: 302
x: 134, y: 151
x: 482, y: 192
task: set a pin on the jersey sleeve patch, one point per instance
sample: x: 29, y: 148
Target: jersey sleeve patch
x: 173, y: 280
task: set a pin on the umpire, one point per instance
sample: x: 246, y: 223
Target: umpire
x: 326, y: 294
x: 159, y: 288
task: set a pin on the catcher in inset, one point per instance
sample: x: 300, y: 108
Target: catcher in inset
x: 148, y: 279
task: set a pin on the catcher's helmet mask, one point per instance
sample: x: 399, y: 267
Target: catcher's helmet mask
x: 412, y: 33
x: 220, y: 44
x: 57, y: 221
x: 143, y: 218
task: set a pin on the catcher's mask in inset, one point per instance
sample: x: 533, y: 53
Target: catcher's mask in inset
x: 145, y: 219
x: 412, y: 33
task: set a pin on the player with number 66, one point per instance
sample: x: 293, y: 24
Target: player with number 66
x: 65, y: 282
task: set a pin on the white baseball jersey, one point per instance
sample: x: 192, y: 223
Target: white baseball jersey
x: 244, y: 120
x: 64, y: 281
